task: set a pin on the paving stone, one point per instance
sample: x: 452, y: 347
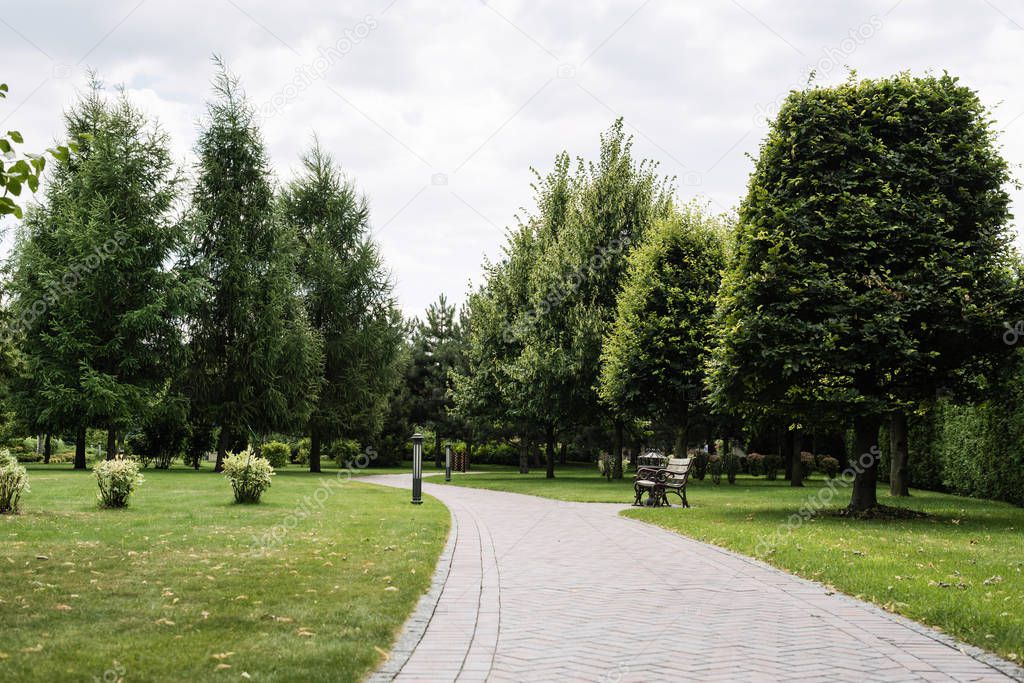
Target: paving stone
x: 531, y: 589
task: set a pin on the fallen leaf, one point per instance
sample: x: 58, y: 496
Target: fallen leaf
x: 222, y: 655
x: 163, y: 622
x: 221, y: 667
x: 62, y: 608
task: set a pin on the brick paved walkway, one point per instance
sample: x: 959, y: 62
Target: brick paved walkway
x: 531, y: 589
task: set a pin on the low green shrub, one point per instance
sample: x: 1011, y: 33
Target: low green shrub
x: 807, y: 464
x: 249, y: 476
x: 772, y: 464
x: 700, y: 464
x: 345, y: 451
x: 13, y: 483
x: 117, y: 480
x: 29, y: 456
x: 715, y: 467
x: 829, y: 466
x: 755, y: 464
x: 276, y: 453
x: 732, y: 466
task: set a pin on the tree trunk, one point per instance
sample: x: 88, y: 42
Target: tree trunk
x: 796, y: 477
x: 46, y: 449
x: 865, y: 463
x: 550, y: 452
x: 80, y: 449
x: 786, y: 452
x: 437, y: 450
x: 899, y: 484
x: 222, y: 448
x: 111, y: 443
x: 524, y: 456
x: 681, y: 439
x: 617, y: 451
x: 314, y: 450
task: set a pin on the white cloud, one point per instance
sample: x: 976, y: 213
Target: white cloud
x: 473, y: 90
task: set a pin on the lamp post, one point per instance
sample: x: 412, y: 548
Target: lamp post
x: 447, y: 462
x: 417, y: 469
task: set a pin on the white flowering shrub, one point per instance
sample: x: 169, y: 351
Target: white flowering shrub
x: 117, y: 480
x: 13, y: 482
x: 249, y: 476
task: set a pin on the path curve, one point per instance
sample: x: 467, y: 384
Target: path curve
x: 533, y: 589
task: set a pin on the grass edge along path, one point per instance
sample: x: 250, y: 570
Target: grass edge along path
x: 185, y: 585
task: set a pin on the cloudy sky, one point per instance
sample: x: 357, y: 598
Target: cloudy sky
x: 438, y: 110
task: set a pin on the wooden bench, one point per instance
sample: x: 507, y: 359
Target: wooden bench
x: 657, y: 482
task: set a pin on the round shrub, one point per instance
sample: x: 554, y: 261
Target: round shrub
x: 249, y: 476
x: 345, y: 451
x: 755, y: 464
x: 276, y: 453
x: 806, y: 464
x: 732, y: 466
x: 829, y: 465
x: 772, y: 463
x: 13, y: 482
x: 117, y: 479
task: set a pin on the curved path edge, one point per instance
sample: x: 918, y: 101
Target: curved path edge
x: 530, y: 588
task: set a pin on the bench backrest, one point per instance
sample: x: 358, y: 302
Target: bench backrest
x: 679, y: 465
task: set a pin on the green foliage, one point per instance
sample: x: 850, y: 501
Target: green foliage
x: 653, y: 358
x: 872, y: 262
x: 276, y: 453
x: 96, y: 310
x: 829, y: 466
x: 250, y: 476
x: 18, y: 171
x: 872, y: 258
x: 345, y: 451
x: 732, y: 465
x: 13, y: 483
x: 117, y: 480
x: 255, y: 359
x: 772, y: 464
x: 348, y: 299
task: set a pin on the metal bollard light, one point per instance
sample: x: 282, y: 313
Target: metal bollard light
x: 447, y: 462
x: 417, y: 469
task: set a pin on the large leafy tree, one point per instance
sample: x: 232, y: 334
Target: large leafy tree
x: 653, y: 360
x: 873, y: 260
x: 349, y: 302
x: 256, y: 360
x: 98, y: 309
x: 586, y: 226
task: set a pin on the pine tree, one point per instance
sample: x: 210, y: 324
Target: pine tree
x: 255, y: 359
x: 96, y: 306
x: 348, y: 300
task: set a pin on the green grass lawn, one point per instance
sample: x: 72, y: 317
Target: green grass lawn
x: 961, y: 569
x: 175, y: 587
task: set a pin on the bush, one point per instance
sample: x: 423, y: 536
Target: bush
x: 700, y: 464
x: 276, y: 453
x: 829, y: 465
x: 13, y: 483
x: 755, y: 464
x: 715, y: 466
x: 772, y: 464
x: 117, y: 480
x: 500, y: 453
x: 806, y: 464
x: 249, y: 476
x: 345, y: 451
x: 732, y: 466
x: 300, y: 454
x: 29, y: 456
